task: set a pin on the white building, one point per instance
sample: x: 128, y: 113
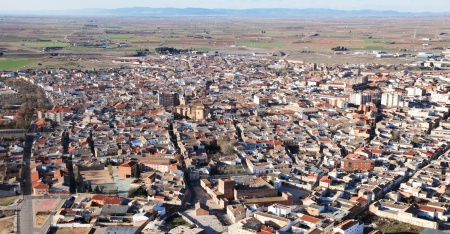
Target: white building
x: 350, y: 226
x: 360, y: 98
x: 279, y: 210
x: 439, y: 96
x: 414, y: 91
x: 392, y: 99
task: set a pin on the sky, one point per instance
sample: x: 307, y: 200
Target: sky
x: 396, y: 5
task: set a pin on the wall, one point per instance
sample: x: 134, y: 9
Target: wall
x: 262, y: 192
x: 403, y: 217
x: 124, y: 172
x: 71, y: 225
x: 282, y: 222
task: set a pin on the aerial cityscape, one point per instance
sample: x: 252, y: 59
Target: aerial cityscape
x: 225, y: 117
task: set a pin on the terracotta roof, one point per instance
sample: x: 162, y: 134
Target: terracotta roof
x: 347, y: 224
x: 430, y: 209
x: 310, y: 219
x: 107, y: 200
x: 41, y: 186
x: 128, y: 164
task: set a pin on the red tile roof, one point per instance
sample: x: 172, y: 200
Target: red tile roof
x: 310, y: 219
x: 40, y: 186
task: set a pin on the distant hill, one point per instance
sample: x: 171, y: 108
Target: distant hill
x: 203, y: 12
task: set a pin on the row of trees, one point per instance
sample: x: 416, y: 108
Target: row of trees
x: 33, y: 99
x: 88, y: 189
x: 170, y: 50
x: 339, y: 48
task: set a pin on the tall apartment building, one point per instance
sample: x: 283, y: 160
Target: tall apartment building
x: 54, y: 115
x: 392, y: 99
x: 360, y: 98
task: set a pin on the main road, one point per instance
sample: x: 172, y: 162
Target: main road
x: 25, y: 219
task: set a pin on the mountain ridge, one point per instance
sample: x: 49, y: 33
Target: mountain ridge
x: 207, y: 12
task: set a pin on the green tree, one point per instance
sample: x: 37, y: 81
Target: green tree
x: 78, y: 178
x: 96, y: 189
x: 137, y: 192
x: 83, y: 188
x: 137, y: 172
x: 90, y: 188
x: 435, y: 81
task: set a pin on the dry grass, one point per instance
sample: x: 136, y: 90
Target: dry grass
x: 6, y: 201
x: 6, y: 225
x: 73, y: 230
x: 39, y: 220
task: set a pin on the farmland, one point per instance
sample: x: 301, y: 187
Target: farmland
x: 14, y: 63
x: 30, y: 42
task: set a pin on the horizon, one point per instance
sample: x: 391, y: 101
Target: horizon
x: 412, y: 6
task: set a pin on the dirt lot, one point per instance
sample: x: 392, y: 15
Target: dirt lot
x: 392, y: 226
x: 6, y: 225
x: 73, y: 230
x: 40, y: 218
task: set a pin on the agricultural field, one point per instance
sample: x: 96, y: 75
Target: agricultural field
x: 14, y: 63
x: 39, y: 42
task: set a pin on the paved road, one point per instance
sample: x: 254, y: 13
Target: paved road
x: 47, y: 223
x: 25, y: 219
x: 27, y: 214
x: 73, y: 183
x: 26, y: 176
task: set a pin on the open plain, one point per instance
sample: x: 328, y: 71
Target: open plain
x: 91, y: 42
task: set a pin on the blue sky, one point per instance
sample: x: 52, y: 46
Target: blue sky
x: 397, y: 5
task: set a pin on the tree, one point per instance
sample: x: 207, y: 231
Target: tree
x: 137, y: 172
x: 78, y: 177
x: 90, y: 188
x: 394, y: 138
x: 96, y: 189
x: 137, y: 192
x: 225, y: 146
x: 110, y: 170
x: 435, y: 81
x: 83, y: 188
x: 108, y: 162
x: 1, y: 54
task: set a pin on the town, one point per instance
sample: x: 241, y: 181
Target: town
x: 258, y: 135
x: 198, y: 143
